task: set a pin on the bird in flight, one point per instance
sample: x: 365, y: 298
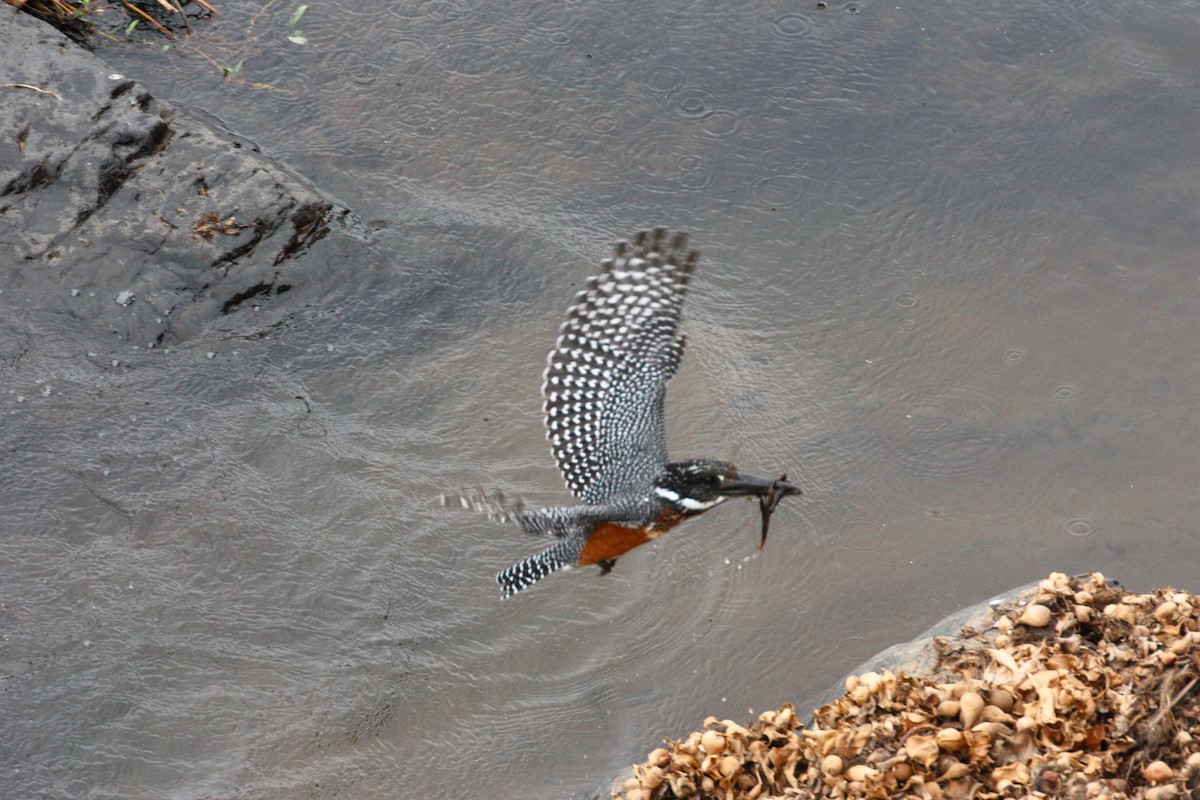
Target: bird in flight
x: 603, y: 388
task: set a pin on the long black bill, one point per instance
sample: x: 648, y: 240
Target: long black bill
x: 769, y: 492
x: 744, y: 483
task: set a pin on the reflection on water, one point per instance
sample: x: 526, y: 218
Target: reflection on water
x: 948, y: 284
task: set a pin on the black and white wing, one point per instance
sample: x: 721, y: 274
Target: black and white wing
x: 607, y: 376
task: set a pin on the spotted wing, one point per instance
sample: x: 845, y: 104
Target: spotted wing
x: 606, y: 378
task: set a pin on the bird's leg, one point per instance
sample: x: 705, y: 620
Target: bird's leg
x: 606, y: 566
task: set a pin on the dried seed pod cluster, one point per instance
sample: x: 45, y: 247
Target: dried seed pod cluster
x: 1077, y: 691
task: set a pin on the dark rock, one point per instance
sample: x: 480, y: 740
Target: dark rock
x: 105, y: 190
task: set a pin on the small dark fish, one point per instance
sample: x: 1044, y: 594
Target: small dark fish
x: 767, y: 505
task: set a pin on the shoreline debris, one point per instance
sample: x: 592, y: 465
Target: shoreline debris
x: 1080, y: 691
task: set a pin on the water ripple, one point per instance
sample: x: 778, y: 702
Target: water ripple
x: 791, y: 25
x: 954, y: 431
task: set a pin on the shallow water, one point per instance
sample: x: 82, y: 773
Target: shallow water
x: 949, y: 285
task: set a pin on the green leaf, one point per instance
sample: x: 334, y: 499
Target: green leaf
x: 234, y: 70
x: 298, y: 38
x: 298, y: 13
x: 132, y: 24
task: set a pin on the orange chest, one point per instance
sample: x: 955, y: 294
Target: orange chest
x: 608, y: 540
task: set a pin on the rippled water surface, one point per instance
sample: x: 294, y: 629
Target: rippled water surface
x: 949, y: 284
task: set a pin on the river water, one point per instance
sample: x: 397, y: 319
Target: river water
x: 950, y: 284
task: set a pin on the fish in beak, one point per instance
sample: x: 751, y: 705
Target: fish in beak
x: 769, y: 492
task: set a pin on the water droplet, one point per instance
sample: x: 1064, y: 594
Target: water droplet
x: 694, y: 172
x: 692, y: 107
x: 466, y: 386
x: 860, y: 535
x: 604, y: 124
x: 851, y: 648
x: 663, y: 78
x: 791, y: 26
x: 720, y: 123
x: 905, y: 300
x: 790, y: 97
x: 780, y: 190
x: 422, y: 120
x: 444, y: 9
x: 1014, y: 355
x: 1065, y: 392
x: 567, y: 132
x: 1080, y: 526
x: 359, y: 70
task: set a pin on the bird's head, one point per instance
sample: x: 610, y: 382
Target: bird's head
x: 693, y: 487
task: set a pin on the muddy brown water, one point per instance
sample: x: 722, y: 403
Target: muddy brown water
x: 950, y: 284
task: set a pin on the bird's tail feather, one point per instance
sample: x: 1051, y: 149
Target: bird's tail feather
x: 524, y: 574
x: 495, y: 506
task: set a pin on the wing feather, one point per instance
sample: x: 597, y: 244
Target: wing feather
x: 606, y: 378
